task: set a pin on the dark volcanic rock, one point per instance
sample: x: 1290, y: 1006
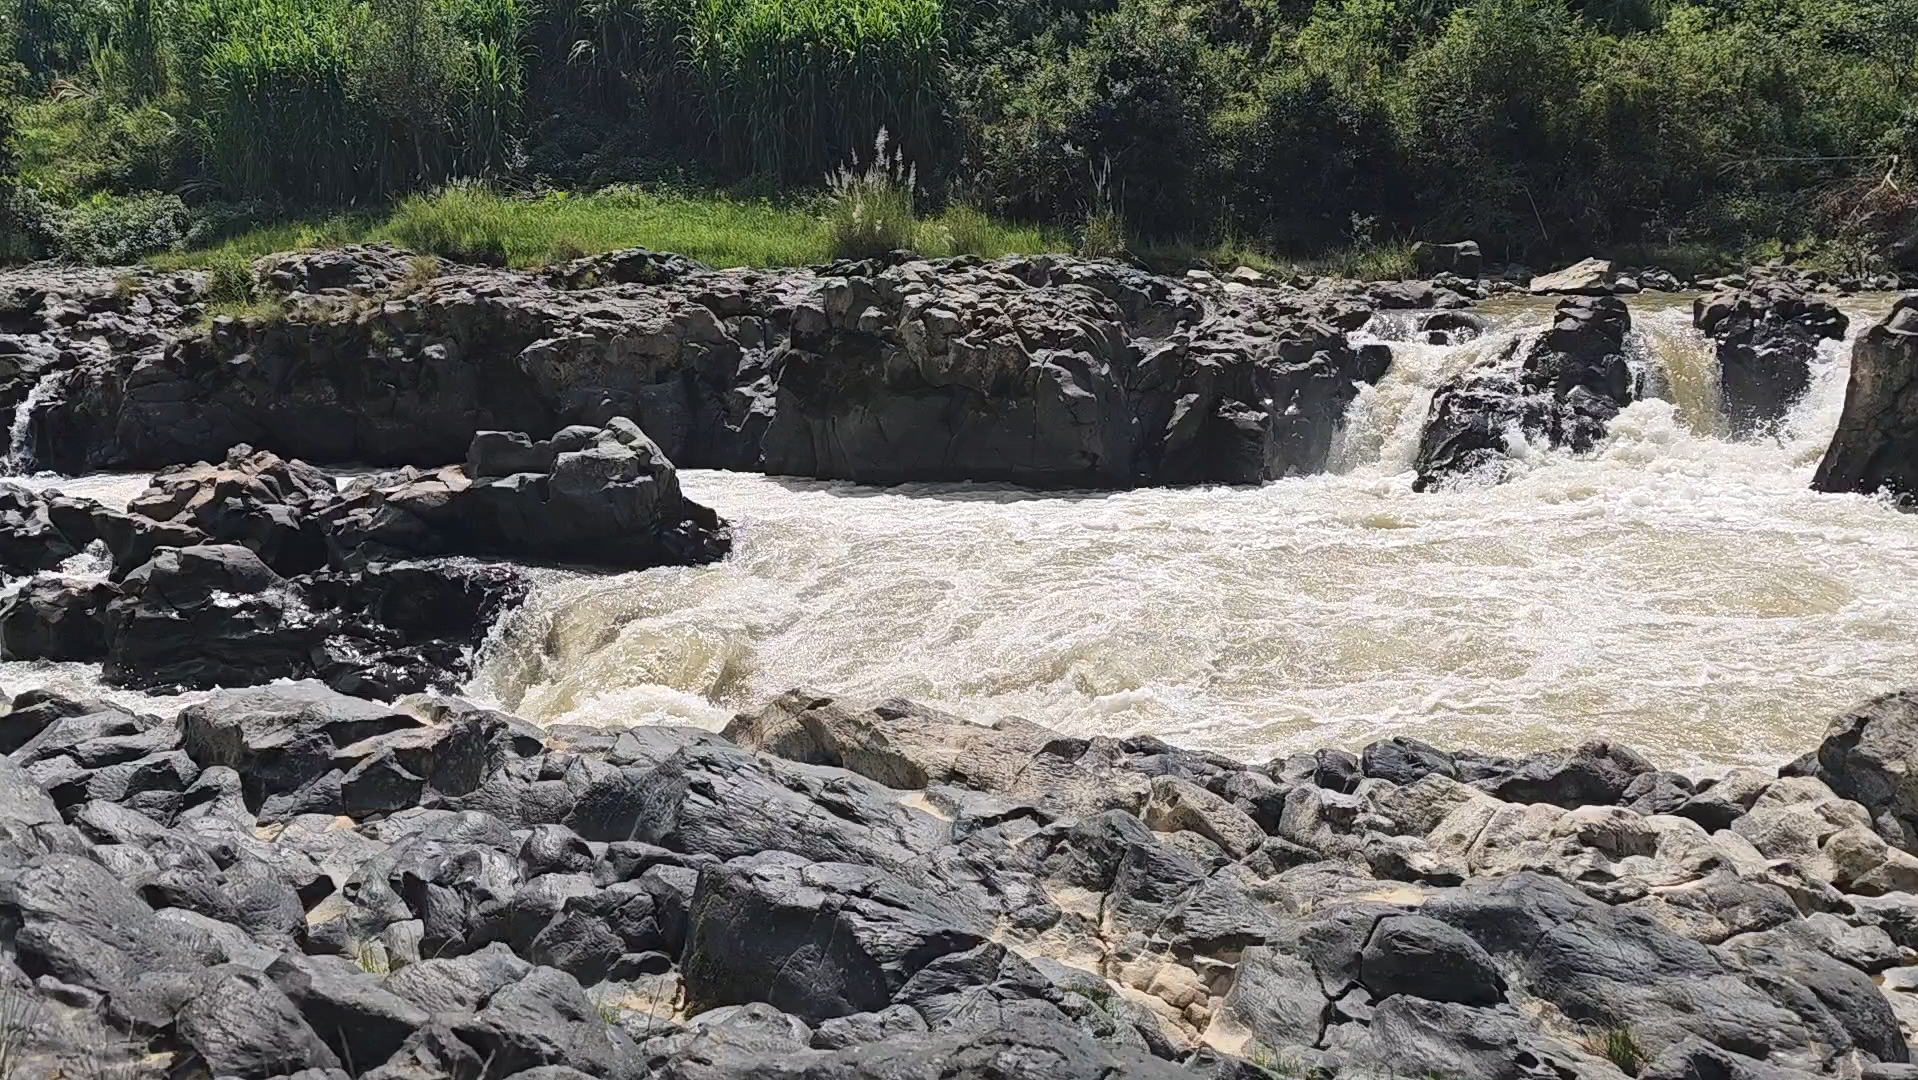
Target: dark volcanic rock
x: 1765, y: 338
x: 1462, y: 259
x: 290, y: 882
x: 603, y: 496
x: 211, y: 615
x: 1876, y: 445
x: 53, y: 618
x: 1045, y: 371
x: 281, y: 738
x: 254, y: 499
x: 29, y: 541
x: 241, y: 1025
x: 1564, y: 392
x: 817, y: 940
x: 1870, y: 756
x: 1423, y: 957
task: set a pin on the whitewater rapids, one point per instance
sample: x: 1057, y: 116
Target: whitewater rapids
x: 1678, y: 591
x: 1684, y: 593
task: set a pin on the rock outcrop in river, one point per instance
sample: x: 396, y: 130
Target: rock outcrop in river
x: 1765, y: 338
x: 260, y: 569
x: 287, y: 882
x: 1876, y: 445
x: 1045, y: 371
x: 1564, y: 392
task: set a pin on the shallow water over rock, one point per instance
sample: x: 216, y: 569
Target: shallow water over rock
x: 1675, y: 590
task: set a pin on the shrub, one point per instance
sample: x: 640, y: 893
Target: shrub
x: 789, y: 87
x: 1307, y: 152
x: 1132, y: 101
x: 1488, y: 106
x: 50, y: 38
x: 869, y: 209
x: 112, y: 229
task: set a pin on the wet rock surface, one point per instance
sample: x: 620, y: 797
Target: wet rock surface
x: 290, y: 881
x: 1563, y: 391
x: 1765, y: 338
x: 1046, y: 371
x: 260, y: 568
x: 1876, y: 445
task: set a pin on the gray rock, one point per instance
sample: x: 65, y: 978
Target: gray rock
x: 1870, y: 756
x: 280, y: 738
x: 1876, y: 445
x: 816, y: 940
x: 241, y: 1025
x: 607, y: 497
x: 54, y: 618
x: 1412, y: 954
x: 1563, y: 392
x: 546, y: 1019
x: 724, y: 803
x: 204, y: 616
x: 360, y: 1020
x: 1588, y: 277
x: 457, y: 985
x: 1766, y: 338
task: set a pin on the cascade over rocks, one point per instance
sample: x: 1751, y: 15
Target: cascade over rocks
x: 1765, y: 338
x: 290, y: 881
x: 1876, y: 445
x: 55, y: 319
x: 1563, y: 392
x: 1046, y: 371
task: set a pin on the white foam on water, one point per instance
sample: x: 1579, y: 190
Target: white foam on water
x: 19, y: 434
x: 1685, y: 593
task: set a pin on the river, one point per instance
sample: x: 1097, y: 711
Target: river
x: 1677, y: 590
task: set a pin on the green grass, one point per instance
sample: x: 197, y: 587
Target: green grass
x: 468, y: 223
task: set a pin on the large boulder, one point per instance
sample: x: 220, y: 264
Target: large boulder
x: 70, y: 918
x: 281, y: 738
x: 1462, y: 258
x: 1876, y: 445
x: 255, y: 499
x: 1870, y: 756
x: 817, y: 940
x: 604, y: 496
x: 205, y: 616
x: 242, y: 1025
x: 55, y: 618
x: 1564, y: 392
x: 1587, y: 277
x: 1765, y: 338
x: 29, y: 540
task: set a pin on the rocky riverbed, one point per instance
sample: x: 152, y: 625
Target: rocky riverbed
x: 335, y: 865
x: 286, y: 881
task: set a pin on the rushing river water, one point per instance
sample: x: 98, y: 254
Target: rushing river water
x: 1685, y: 593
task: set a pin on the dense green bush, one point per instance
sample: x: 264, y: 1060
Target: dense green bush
x: 1539, y: 127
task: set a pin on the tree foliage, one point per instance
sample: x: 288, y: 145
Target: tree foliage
x: 1533, y: 126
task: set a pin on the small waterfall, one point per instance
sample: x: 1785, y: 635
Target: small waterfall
x: 1680, y: 366
x: 1384, y: 423
x: 19, y: 460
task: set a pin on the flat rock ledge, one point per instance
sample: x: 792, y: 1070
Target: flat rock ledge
x: 288, y: 882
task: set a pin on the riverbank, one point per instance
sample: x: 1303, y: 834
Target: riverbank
x: 469, y: 223
x: 285, y: 880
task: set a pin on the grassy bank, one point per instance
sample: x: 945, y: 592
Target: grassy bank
x: 473, y: 224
